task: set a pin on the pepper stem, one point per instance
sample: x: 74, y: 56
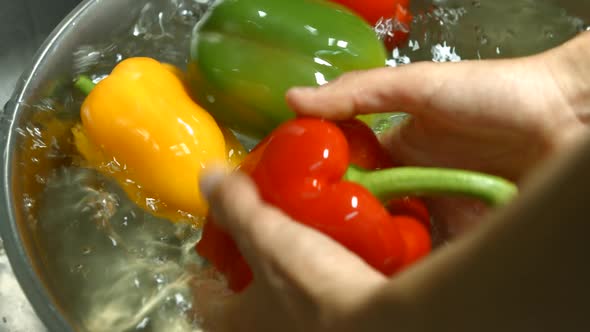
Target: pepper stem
x: 417, y: 181
x: 84, y: 84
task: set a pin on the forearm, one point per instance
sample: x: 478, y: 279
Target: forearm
x: 526, y: 270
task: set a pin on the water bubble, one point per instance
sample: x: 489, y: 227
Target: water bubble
x: 160, y: 279
x: 398, y: 59
x: 444, y: 53
x: 28, y: 202
x: 40, y: 179
x: 77, y: 268
x: 549, y: 34
x: 114, y: 241
x: 152, y: 203
x: 482, y: 39
x: 143, y: 324
x: 86, y: 251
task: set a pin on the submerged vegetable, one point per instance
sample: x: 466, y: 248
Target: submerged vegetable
x: 391, y: 18
x: 374, y: 10
x: 246, y: 54
x: 140, y: 126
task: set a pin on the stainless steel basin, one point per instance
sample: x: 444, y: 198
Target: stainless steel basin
x: 29, y: 60
x: 23, y: 25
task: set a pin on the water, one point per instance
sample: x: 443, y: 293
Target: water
x: 120, y: 268
x: 115, y: 267
x: 480, y: 29
x: 162, y: 31
x: 112, y: 266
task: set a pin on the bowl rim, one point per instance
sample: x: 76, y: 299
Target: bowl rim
x: 22, y: 265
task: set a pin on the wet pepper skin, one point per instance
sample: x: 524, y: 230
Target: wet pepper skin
x: 140, y: 126
x: 374, y: 10
x: 299, y: 168
x: 379, y: 13
x: 246, y: 54
x: 366, y: 152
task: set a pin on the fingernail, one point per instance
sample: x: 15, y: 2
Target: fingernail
x: 210, y: 180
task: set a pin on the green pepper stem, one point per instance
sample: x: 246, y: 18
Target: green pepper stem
x: 417, y: 181
x: 84, y: 84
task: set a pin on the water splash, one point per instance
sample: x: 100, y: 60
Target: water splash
x: 444, y: 53
x: 119, y: 268
x: 472, y: 29
x: 162, y: 31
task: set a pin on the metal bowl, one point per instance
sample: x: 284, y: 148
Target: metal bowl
x: 91, y: 22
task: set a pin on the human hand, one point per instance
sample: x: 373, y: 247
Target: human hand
x: 500, y: 117
x: 303, y: 280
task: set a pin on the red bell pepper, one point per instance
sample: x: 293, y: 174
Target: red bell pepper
x: 303, y: 167
x: 391, y: 18
x: 397, y: 30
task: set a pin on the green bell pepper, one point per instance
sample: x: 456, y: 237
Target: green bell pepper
x: 246, y: 54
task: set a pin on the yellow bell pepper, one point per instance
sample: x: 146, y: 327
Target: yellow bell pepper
x: 140, y: 126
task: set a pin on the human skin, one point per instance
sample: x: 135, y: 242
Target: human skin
x: 523, y: 269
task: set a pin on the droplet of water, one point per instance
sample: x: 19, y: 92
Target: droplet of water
x: 143, y: 324
x: 444, y: 53
x: 482, y: 39
x: 86, y: 251
x: 549, y: 34
x: 77, y: 268
x: 160, y: 279
x: 28, y: 202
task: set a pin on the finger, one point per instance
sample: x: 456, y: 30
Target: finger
x: 277, y: 248
x: 212, y: 304
x: 407, y: 89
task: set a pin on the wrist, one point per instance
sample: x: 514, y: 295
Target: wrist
x: 570, y: 65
